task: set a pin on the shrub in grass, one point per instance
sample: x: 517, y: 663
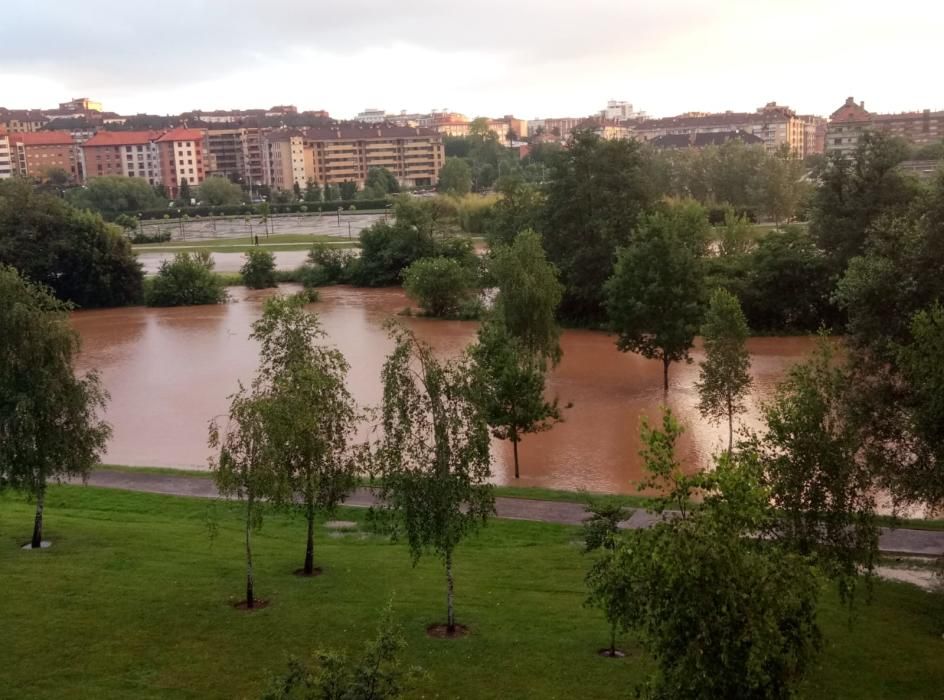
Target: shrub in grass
x: 187, y: 280
x: 259, y: 269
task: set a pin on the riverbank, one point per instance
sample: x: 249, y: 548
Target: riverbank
x: 133, y: 600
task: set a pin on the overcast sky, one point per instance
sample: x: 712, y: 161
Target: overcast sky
x: 531, y: 59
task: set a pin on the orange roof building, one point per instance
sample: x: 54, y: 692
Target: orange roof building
x: 36, y: 154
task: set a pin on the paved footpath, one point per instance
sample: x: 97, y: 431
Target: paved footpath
x: 902, y: 541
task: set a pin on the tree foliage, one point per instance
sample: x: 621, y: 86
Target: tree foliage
x: 455, y: 177
x: 50, y: 426
x: 725, y: 377
x: 520, y: 208
x: 312, y: 419
x: 220, y: 191
x: 258, y: 271
x: 528, y: 295
x: 654, y: 296
x: 186, y: 280
x: 440, y: 285
x: 596, y: 196
x: 433, y: 461
x: 113, y: 194
x: 379, y: 183
x: 80, y: 257
x: 510, y: 386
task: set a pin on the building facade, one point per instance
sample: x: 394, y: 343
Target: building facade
x: 777, y: 126
x: 36, y: 154
x: 287, y: 160
x: 6, y: 158
x: 182, y: 155
x: 347, y: 152
x: 851, y: 120
x: 17, y: 121
x: 123, y: 154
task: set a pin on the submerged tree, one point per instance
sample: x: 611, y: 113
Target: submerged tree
x: 655, y: 293
x: 49, y: 418
x: 511, y: 386
x: 433, y: 460
x: 313, y: 416
x: 725, y: 378
x: 244, y: 468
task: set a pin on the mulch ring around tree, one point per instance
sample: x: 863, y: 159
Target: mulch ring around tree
x: 612, y: 653
x: 45, y: 544
x: 441, y: 631
x: 257, y: 604
x: 316, y: 571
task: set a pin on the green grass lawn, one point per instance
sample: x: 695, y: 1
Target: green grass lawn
x: 133, y: 600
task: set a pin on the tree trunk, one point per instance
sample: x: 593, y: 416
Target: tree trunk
x: 613, y: 640
x: 665, y: 373
x: 450, y: 612
x: 37, y: 540
x: 310, y: 546
x: 250, y: 599
x: 730, y: 427
x: 514, y: 442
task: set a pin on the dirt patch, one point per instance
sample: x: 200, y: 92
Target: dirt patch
x: 922, y: 578
x: 441, y: 631
x: 258, y: 604
x: 341, y: 525
x: 612, y: 653
x: 316, y: 571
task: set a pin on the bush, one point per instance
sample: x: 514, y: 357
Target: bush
x: 440, y: 285
x: 259, y: 269
x: 327, y: 265
x: 187, y: 280
x: 244, y: 209
x: 159, y: 237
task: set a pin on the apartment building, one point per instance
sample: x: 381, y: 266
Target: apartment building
x: 35, y: 154
x: 851, y: 120
x: 123, y: 153
x: 6, y: 159
x: 703, y: 139
x: 346, y: 152
x: 777, y: 126
x: 287, y: 160
x: 183, y: 157
x: 17, y: 121
x: 814, y: 134
x: 232, y: 155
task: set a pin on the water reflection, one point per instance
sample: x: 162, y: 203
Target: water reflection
x: 170, y: 371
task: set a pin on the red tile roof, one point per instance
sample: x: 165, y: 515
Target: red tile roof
x: 43, y: 138
x: 122, y: 138
x: 183, y: 135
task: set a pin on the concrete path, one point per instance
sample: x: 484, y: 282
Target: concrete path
x: 902, y: 541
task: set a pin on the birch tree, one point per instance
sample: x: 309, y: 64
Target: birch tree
x: 433, y: 460
x: 50, y: 424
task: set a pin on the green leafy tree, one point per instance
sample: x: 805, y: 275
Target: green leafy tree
x: 313, y: 416
x: 184, y: 196
x: 608, y: 584
x: 520, y: 208
x: 596, y: 196
x: 265, y: 212
x: 375, y: 674
x: 379, y: 183
x: 331, y: 193
x: 348, y: 190
x: 49, y: 418
x: 654, y: 296
x: 528, y: 295
x: 812, y: 456
x: 220, y: 191
x: 433, y: 460
x: 258, y: 272
x: 187, y: 280
x: 244, y: 466
x: 722, y: 614
x: 112, y: 195
x: 736, y: 234
x: 455, y: 177
x: 312, y: 191
x: 511, y: 386
x: 725, y: 377
x: 440, y: 285
x: 80, y: 257
x: 297, y: 191
x: 782, y: 186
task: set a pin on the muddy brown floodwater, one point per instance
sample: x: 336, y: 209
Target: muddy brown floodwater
x: 169, y: 371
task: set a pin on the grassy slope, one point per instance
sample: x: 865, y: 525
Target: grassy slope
x: 131, y: 601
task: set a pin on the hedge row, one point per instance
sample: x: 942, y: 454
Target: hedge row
x: 246, y: 209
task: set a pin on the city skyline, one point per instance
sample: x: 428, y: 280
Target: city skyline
x: 489, y: 59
